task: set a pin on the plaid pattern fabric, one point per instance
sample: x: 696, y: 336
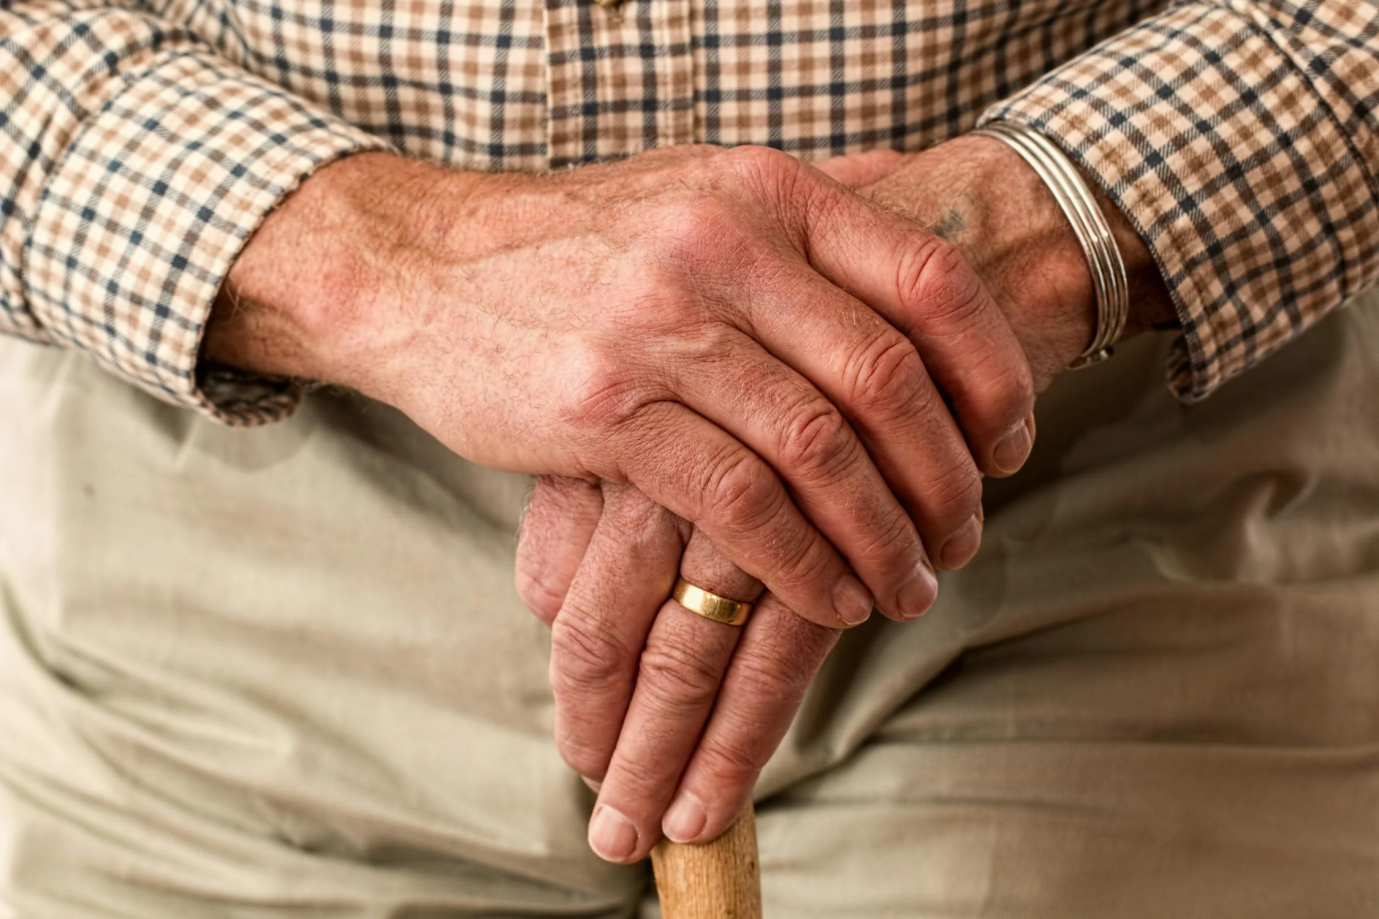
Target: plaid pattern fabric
x: 1240, y: 139
x: 142, y: 141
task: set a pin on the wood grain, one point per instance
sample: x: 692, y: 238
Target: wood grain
x: 720, y: 880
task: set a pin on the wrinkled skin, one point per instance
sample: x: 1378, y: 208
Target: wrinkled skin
x: 723, y: 354
x: 720, y: 329
x: 655, y: 704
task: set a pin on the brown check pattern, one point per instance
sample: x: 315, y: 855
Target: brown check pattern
x: 142, y: 141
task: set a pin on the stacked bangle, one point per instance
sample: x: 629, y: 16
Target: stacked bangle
x: 1089, y: 224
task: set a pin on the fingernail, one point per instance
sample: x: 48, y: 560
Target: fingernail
x: 594, y: 785
x: 611, y: 835
x: 919, y: 592
x: 963, y: 544
x: 851, y: 601
x: 1013, y: 449
x: 686, y: 818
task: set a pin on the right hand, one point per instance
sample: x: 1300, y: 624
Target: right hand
x: 710, y: 326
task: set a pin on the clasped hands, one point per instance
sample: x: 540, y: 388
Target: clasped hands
x: 726, y: 364
x: 898, y: 380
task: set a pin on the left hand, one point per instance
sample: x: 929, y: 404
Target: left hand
x: 674, y: 714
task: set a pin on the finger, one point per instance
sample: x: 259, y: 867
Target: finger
x: 803, y: 436
x: 559, y: 521
x: 697, y: 470
x: 602, y: 627
x: 677, y: 680
x: 703, y: 565
x: 924, y: 286
x: 776, y: 660
x: 858, y: 169
x: 873, y: 373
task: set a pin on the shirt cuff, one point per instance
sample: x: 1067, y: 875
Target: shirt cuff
x: 1234, y: 167
x: 148, y: 206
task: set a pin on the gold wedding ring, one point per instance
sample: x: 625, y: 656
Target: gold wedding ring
x: 710, y: 605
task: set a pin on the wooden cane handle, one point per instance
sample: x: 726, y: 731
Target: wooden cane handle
x: 719, y: 880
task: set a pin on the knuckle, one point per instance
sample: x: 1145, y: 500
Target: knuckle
x: 695, y: 227
x: 926, y: 403
x: 893, y: 542
x: 827, y: 204
x: 886, y: 374
x: 741, y: 493
x: 600, y: 394
x: 638, y: 520
x: 804, y: 563
x: 772, y: 682
x: 660, y: 299
x: 744, y: 499
x: 710, y: 347
x: 759, y: 162
x: 732, y: 763
x: 539, y: 597
x: 1014, y: 387
x: 676, y: 678
x: 935, y: 281
x: 1022, y: 388
x: 956, y: 492
x: 581, y: 754
x: 639, y: 780
x: 1004, y: 395
x: 586, y: 656
x: 794, y: 638
x: 610, y: 373
x: 782, y: 179
x: 818, y: 442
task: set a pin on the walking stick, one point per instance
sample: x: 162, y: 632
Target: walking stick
x: 720, y: 880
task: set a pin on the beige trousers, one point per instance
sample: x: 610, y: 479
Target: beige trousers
x: 284, y: 673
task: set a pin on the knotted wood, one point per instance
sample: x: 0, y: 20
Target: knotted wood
x: 720, y: 880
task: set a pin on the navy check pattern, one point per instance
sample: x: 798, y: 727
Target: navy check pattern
x: 1253, y: 182
x: 143, y: 141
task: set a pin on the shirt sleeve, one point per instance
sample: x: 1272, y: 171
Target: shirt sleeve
x: 1239, y: 138
x: 134, y: 165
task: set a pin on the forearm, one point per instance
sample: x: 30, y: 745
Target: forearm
x: 326, y: 289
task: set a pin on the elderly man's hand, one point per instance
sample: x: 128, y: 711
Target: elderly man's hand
x: 714, y: 327
x: 669, y: 706
x: 632, y: 710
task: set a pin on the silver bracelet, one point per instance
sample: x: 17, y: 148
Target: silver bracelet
x: 1074, y: 197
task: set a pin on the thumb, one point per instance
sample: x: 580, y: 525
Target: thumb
x: 858, y: 169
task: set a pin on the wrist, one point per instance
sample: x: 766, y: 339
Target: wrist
x: 327, y: 288
x: 984, y: 197
x: 1026, y: 250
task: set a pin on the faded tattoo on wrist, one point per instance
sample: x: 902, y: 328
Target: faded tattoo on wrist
x: 951, y: 225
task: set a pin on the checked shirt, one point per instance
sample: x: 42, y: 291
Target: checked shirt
x: 143, y: 141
